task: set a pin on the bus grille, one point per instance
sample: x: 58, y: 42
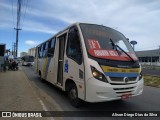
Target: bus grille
x: 121, y: 79
x: 124, y: 90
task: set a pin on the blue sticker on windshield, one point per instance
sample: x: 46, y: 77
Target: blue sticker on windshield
x: 66, y: 66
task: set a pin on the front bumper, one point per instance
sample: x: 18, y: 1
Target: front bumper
x: 98, y: 91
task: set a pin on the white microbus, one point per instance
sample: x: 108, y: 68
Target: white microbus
x: 27, y: 60
x: 91, y: 62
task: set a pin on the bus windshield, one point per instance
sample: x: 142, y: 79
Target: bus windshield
x: 107, y: 43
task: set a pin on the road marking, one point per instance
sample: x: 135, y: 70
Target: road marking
x: 42, y: 104
x: 44, y: 108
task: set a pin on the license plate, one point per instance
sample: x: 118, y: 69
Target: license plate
x: 126, y: 96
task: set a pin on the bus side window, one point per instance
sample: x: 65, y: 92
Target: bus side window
x: 74, y: 46
x: 51, y: 48
x: 39, y: 52
x: 45, y: 51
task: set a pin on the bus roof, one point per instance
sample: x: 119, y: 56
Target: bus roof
x: 77, y: 23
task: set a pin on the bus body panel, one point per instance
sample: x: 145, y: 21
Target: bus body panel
x: 43, y: 66
x: 46, y: 68
x: 75, y: 72
x: 50, y: 71
x: 54, y: 65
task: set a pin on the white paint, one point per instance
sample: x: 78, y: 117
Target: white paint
x: 43, y: 105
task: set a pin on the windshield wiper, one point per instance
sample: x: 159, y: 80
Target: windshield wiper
x: 114, y: 45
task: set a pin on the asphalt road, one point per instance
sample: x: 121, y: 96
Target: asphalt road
x: 151, y: 72
x: 55, y: 99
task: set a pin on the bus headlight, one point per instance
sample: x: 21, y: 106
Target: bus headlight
x: 140, y: 76
x: 98, y: 75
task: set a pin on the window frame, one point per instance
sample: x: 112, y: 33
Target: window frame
x: 51, y: 47
x: 39, y: 51
x: 68, y: 42
x: 45, y: 49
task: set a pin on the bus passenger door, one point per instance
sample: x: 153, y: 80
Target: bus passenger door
x: 61, y: 40
x: 73, y: 61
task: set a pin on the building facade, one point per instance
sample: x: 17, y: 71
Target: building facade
x: 149, y: 57
x: 32, y: 51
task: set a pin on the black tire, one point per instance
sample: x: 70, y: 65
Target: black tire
x: 73, y: 95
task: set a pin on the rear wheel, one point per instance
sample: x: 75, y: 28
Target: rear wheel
x: 73, y: 95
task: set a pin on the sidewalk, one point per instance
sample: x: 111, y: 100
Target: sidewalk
x: 16, y: 93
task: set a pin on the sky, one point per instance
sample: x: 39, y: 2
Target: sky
x: 138, y: 20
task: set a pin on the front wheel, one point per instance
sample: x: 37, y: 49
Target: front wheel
x: 73, y: 95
